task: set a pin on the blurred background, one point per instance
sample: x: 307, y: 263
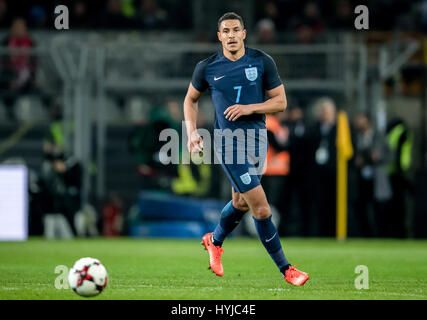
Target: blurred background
x: 81, y: 111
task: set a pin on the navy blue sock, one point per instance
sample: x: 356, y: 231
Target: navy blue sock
x: 230, y: 218
x: 270, y: 239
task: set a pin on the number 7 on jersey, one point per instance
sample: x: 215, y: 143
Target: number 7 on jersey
x: 239, y: 89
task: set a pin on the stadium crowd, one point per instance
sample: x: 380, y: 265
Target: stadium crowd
x: 281, y: 15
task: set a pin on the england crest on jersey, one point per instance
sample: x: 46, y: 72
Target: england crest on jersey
x: 251, y: 73
x: 246, y: 178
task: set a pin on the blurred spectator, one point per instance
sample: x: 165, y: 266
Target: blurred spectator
x: 175, y: 112
x: 38, y: 17
x: 277, y: 164
x: 79, y: 17
x: 145, y: 147
x: 296, y: 118
x: 112, y: 17
x: 18, y: 74
x: 61, y: 174
x: 196, y: 180
x: 304, y: 34
x: 286, y: 14
x: 5, y: 16
x: 37, y: 202
x: 371, y: 157
x: 309, y: 25
x: 62, y: 177
x: 322, y: 140
x: 312, y: 17
x: 400, y: 141
x: 151, y: 16
x: 344, y: 16
x: 270, y: 11
x: 113, y: 216
x: 309, y: 16
x: 85, y: 221
x: 298, y: 187
x: 128, y: 8
x: 266, y: 31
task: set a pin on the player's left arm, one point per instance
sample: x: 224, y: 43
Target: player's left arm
x: 276, y: 103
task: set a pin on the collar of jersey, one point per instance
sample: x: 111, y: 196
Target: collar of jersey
x: 240, y: 59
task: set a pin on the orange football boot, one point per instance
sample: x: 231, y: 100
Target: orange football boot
x: 295, y: 276
x: 215, y: 253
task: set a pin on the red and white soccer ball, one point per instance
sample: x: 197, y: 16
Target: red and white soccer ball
x: 88, y: 277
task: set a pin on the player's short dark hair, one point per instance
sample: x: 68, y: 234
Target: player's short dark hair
x: 230, y: 16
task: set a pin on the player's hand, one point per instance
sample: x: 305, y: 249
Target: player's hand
x: 234, y: 112
x: 195, y: 143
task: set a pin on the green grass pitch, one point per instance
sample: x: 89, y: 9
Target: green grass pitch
x: 178, y: 269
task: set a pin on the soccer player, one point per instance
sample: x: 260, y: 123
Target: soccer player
x: 238, y: 78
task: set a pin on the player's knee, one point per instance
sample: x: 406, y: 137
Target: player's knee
x: 262, y: 212
x: 240, y: 204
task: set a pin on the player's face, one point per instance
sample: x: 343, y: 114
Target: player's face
x: 231, y: 34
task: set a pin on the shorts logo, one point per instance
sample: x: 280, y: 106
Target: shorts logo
x: 251, y: 73
x: 246, y: 178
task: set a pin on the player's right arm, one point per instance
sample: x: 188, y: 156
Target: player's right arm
x: 191, y: 106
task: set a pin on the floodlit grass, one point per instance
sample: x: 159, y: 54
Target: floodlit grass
x: 178, y: 269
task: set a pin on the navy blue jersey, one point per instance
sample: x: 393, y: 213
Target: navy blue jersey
x: 237, y: 82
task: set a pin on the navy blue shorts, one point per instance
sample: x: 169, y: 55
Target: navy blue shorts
x: 243, y: 164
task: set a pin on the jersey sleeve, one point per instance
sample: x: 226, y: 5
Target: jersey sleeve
x: 271, y: 77
x: 198, y: 80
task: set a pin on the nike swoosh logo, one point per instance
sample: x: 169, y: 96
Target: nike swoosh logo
x: 268, y: 240
x: 215, y: 78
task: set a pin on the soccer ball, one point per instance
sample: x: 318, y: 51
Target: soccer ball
x: 88, y: 277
